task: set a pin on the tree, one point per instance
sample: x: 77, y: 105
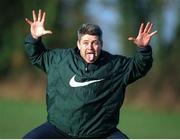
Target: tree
x: 164, y: 75
x: 62, y: 18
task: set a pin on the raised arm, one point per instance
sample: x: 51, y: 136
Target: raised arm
x: 137, y: 66
x: 37, y: 53
x: 37, y: 25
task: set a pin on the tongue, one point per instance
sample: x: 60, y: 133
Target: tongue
x: 90, y: 57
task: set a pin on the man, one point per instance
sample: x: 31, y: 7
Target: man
x: 86, y: 85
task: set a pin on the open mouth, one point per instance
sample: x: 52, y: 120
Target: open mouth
x: 90, y: 56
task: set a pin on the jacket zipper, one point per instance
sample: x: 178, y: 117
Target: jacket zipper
x: 86, y: 68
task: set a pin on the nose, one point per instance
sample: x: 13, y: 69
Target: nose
x: 90, y: 46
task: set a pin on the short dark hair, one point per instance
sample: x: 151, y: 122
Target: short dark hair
x: 91, y: 29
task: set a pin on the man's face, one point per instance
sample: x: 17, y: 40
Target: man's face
x: 90, y: 47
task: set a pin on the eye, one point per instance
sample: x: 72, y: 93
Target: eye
x: 96, y: 43
x: 85, y: 43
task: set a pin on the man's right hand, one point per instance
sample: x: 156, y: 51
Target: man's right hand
x: 37, y: 25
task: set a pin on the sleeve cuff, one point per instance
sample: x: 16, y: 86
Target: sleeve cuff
x: 32, y: 40
x: 145, y: 50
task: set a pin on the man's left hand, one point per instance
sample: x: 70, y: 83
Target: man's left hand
x: 144, y: 35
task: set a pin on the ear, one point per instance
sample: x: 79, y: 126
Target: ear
x: 78, y: 45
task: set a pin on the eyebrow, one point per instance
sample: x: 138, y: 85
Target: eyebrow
x: 89, y: 40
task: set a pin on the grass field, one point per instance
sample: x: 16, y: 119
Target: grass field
x: 145, y: 124
x: 18, y: 117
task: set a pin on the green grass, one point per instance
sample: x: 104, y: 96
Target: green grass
x: 150, y: 124
x: 19, y: 117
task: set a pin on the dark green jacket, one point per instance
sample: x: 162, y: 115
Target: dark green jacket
x: 84, y: 100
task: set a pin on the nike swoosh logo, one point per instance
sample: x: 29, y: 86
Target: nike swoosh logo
x: 74, y: 83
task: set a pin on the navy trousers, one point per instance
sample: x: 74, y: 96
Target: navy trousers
x: 49, y: 131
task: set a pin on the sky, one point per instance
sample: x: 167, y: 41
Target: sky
x: 170, y: 19
x: 106, y: 16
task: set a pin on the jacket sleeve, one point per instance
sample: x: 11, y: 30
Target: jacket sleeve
x: 39, y: 55
x: 137, y: 66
